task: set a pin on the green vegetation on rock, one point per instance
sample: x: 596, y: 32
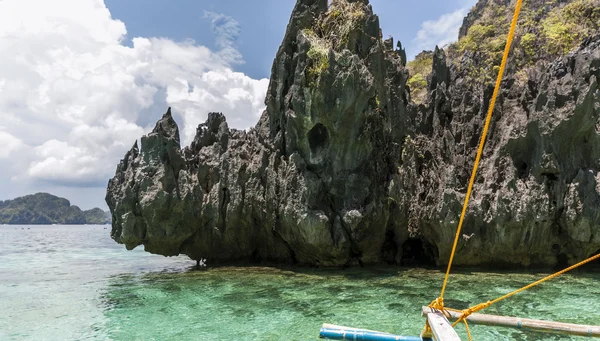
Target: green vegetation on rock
x: 340, y: 21
x: 314, y: 183
x: 44, y: 208
x: 318, y: 55
x: 333, y: 31
x: 565, y: 27
x: 419, y: 69
x: 545, y: 30
x: 96, y: 216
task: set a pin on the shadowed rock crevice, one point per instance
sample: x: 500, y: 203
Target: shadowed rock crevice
x: 342, y: 169
x: 318, y: 137
x: 389, y: 248
x: 595, y: 263
x: 418, y: 252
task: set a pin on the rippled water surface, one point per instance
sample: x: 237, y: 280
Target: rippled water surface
x: 75, y: 283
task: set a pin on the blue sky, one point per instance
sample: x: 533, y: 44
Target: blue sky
x: 81, y: 80
x: 262, y: 23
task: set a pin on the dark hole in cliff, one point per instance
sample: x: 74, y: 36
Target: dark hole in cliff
x: 550, y: 176
x: 560, y: 100
x: 555, y: 249
x: 420, y: 167
x: 318, y: 137
x: 508, y: 83
x: 533, y: 90
x: 428, y: 156
x: 389, y: 249
x: 562, y: 261
x: 474, y: 141
x: 255, y: 257
x: 418, y: 252
x: 458, y: 137
x: 522, y: 168
x: 446, y: 118
x: 596, y: 263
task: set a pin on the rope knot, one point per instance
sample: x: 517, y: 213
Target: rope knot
x: 437, y: 304
x: 474, y: 309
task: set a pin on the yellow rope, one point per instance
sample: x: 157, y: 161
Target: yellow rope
x: 439, y: 302
x: 465, y: 313
x: 482, y: 140
x: 468, y: 330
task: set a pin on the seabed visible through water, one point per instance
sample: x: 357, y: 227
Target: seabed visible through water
x: 75, y: 283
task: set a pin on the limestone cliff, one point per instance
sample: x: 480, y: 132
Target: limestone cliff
x: 344, y: 168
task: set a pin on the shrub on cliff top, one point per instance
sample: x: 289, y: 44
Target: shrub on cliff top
x: 419, y: 69
x: 546, y: 29
x: 332, y: 31
x: 341, y: 19
x: 477, y: 35
x: 565, y: 27
x: 318, y: 56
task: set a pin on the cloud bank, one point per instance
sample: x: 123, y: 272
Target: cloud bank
x: 73, y: 98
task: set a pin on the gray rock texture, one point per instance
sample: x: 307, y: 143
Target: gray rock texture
x: 344, y: 169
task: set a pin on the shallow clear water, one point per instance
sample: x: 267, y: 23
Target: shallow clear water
x: 74, y: 283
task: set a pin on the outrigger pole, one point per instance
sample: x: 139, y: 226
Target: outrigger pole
x: 522, y: 323
x: 441, y: 330
x: 334, y: 332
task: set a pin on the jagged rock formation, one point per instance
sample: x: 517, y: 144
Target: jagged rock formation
x: 536, y: 199
x: 343, y: 168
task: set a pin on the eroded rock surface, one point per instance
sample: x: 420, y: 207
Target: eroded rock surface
x: 536, y: 197
x: 343, y: 168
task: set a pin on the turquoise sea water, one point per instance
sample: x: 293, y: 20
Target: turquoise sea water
x: 75, y: 283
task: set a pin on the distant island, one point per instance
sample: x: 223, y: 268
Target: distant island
x: 45, y: 209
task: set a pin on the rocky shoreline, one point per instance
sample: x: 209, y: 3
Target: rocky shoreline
x: 343, y: 168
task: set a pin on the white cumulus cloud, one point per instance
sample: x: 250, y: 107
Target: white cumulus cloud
x: 73, y: 98
x: 8, y: 144
x: 441, y: 31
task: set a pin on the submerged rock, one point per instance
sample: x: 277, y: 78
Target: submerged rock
x: 343, y: 169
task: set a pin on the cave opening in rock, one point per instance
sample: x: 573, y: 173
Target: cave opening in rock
x: 318, y: 137
x: 418, y: 252
x: 596, y: 263
x: 255, y: 257
x: 562, y: 260
x: 522, y: 169
x: 389, y: 249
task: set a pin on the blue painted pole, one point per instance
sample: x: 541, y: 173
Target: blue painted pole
x: 342, y: 333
